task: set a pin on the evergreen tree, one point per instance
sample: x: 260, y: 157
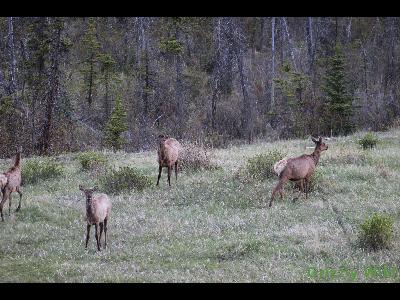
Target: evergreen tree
x: 339, y: 102
x: 108, y: 78
x: 115, y: 126
x: 89, y: 69
x: 294, y: 91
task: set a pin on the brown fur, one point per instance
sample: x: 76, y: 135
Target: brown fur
x: 299, y: 169
x: 98, y: 210
x: 13, y: 184
x: 168, y: 155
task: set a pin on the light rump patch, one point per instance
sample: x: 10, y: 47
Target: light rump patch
x: 3, y: 181
x: 280, y: 165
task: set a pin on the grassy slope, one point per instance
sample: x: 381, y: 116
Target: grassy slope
x: 209, y: 227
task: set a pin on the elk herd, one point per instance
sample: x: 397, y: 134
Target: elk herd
x: 98, y: 206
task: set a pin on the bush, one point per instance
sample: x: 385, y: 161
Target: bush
x: 377, y: 232
x: 37, y: 169
x: 369, y: 141
x: 92, y: 160
x: 261, y: 166
x: 314, y: 182
x: 123, y: 179
x: 195, y: 158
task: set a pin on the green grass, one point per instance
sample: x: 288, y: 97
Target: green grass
x: 209, y: 227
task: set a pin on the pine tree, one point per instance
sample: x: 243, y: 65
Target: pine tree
x: 115, y: 126
x: 339, y: 103
x: 89, y: 68
x: 108, y: 78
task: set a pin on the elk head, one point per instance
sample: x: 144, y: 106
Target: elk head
x: 88, y: 192
x: 319, y: 144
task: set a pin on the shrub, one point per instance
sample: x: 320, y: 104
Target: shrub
x: 115, y: 126
x: 216, y: 140
x: 92, y: 160
x: 377, y: 232
x: 314, y: 182
x: 123, y: 179
x: 37, y: 169
x: 261, y: 166
x: 396, y: 123
x: 195, y: 158
x: 369, y: 141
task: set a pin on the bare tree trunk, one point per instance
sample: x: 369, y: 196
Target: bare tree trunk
x: 178, y: 95
x: 53, y: 91
x: 89, y: 97
x: 348, y: 30
x: 273, y: 62
x: 11, y: 53
x: 106, y: 100
x: 310, y: 46
x: 179, y: 89
x: 247, y: 110
x: 336, y: 30
x: 216, y: 77
x: 290, y: 43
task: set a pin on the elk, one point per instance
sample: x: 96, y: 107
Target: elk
x: 10, y: 181
x: 298, y: 169
x: 168, y: 154
x: 98, y: 210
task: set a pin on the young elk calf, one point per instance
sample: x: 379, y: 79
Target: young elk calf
x: 98, y: 210
x: 168, y: 153
x: 298, y: 169
x: 10, y: 181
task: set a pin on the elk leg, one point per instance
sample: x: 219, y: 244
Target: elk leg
x: 176, y: 170
x: 281, y: 193
x: 306, y: 187
x: 96, y: 225
x: 278, y: 187
x: 87, y: 234
x: 20, y: 198
x: 105, y: 233
x: 159, y: 174
x: 6, y: 194
x: 301, y: 189
x: 9, y: 204
x: 169, y: 175
x: 101, y: 232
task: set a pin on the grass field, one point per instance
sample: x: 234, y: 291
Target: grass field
x: 209, y: 226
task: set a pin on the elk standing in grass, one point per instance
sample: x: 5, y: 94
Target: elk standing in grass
x: 298, y: 169
x: 98, y: 210
x: 10, y: 181
x: 168, y: 154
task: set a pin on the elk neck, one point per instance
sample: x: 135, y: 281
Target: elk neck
x: 89, y: 207
x: 162, y: 148
x: 315, y: 155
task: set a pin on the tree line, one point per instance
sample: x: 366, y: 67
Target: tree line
x: 68, y: 84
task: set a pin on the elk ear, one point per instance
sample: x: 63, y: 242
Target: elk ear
x: 81, y: 188
x: 314, y: 140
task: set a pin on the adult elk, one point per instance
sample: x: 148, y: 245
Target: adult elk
x: 168, y: 155
x: 10, y: 182
x: 98, y: 210
x: 298, y: 169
